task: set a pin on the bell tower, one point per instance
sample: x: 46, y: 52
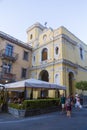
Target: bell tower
x: 33, y: 33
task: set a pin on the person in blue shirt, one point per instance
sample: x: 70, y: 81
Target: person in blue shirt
x: 62, y: 101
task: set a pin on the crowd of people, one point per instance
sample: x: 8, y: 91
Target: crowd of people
x: 15, y: 100
x: 67, y: 103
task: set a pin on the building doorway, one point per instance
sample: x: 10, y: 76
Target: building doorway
x: 44, y: 76
x: 71, y: 87
x: 3, y: 98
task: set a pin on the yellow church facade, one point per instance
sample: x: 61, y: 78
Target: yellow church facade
x: 58, y: 56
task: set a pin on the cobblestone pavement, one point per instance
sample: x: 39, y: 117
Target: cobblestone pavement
x: 50, y: 121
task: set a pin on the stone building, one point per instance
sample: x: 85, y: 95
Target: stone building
x: 15, y: 59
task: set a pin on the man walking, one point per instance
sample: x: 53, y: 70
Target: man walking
x: 62, y: 101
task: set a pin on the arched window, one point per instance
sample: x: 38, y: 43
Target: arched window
x: 81, y: 53
x: 31, y: 36
x: 44, y: 37
x: 56, y: 50
x: 44, y: 54
x: 57, y: 79
x: 34, y: 58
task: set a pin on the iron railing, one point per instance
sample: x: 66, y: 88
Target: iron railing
x: 7, y: 76
x: 10, y: 56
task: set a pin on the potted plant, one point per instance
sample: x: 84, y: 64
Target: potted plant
x: 16, y: 109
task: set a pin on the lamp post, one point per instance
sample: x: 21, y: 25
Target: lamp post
x: 25, y: 92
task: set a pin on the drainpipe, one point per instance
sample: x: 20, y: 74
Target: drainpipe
x: 53, y: 57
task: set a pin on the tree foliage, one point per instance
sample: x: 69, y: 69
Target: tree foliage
x: 82, y: 85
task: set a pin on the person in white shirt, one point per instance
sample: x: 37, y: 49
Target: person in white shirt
x: 77, y: 104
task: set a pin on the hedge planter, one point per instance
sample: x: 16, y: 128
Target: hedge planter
x: 16, y: 112
x: 39, y: 111
x: 33, y: 107
x: 32, y: 112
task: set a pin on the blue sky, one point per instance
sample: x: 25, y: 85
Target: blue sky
x: 17, y: 15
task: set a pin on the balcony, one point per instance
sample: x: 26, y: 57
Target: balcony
x: 8, y: 56
x: 7, y: 77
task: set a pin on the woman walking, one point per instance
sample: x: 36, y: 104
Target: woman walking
x: 68, y: 106
x: 77, y: 104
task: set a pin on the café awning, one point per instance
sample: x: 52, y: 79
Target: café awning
x: 34, y: 83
